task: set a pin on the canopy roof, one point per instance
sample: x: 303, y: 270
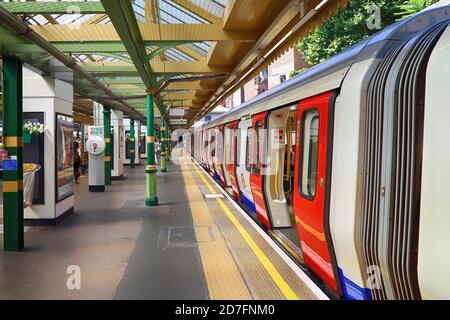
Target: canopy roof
x: 133, y: 47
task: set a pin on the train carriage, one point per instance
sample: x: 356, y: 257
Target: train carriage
x: 345, y: 164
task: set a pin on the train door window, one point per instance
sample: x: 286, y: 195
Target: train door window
x: 218, y: 146
x: 257, y: 150
x: 248, y: 148
x: 213, y: 143
x: 238, y: 147
x: 310, y: 154
x: 291, y: 138
x: 222, y: 148
x: 231, y: 152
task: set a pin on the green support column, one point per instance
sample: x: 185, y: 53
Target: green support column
x: 13, y: 232
x: 132, y: 145
x: 168, y: 143
x: 150, y: 170
x: 108, y: 156
x: 162, y: 139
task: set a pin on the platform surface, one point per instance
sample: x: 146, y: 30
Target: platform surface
x: 189, y: 247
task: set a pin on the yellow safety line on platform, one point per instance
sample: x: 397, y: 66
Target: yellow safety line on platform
x: 268, y: 265
x: 223, y: 279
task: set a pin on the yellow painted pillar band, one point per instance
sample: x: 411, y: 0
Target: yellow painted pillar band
x: 13, y: 142
x: 12, y: 186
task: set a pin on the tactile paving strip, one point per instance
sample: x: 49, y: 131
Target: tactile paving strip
x: 222, y: 275
x: 259, y: 283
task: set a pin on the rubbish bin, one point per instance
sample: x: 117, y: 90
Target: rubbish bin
x: 29, y: 175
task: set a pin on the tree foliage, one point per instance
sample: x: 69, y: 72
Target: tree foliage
x: 411, y: 7
x: 350, y: 26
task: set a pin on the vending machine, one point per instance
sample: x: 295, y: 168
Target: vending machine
x: 95, y: 145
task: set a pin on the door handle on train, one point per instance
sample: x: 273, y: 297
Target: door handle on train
x: 322, y: 182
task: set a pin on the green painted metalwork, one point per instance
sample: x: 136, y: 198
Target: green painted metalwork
x: 150, y: 170
x: 132, y: 144
x: 108, y: 155
x: 70, y: 47
x: 95, y: 69
x: 123, y: 17
x: 66, y: 7
x: 41, y: 59
x: 13, y: 231
x: 163, y: 47
x: 129, y: 90
x: 117, y: 56
x: 137, y: 81
x: 162, y: 140
x: 123, y: 58
x: 168, y: 144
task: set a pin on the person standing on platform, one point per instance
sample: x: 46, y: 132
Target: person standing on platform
x: 76, y: 162
x: 157, y: 150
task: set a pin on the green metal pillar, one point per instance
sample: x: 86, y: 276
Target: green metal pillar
x: 150, y: 170
x: 168, y: 143
x: 13, y: 233
x: 162, y: 140
x: 132, y: 144
x: 108, y: 156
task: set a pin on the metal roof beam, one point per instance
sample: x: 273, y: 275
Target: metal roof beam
x: 126, y: 26
x: 71, y: 47
x: 122, y: 81
x: 149, y: 32
x: 157, y: 67
x: 123, y: 18
x: 63, y: 7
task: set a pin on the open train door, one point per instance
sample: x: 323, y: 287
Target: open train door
x: 218, y: 160
x: 232, y: 159
x: 257, y: 168
x: 312, y: 184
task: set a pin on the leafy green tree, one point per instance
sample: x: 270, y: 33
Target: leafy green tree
x: 411, y: 7
x: 350, y: 26
x: 296, y: 73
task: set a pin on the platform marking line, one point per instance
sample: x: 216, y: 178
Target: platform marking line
x: 270, y: 268
x: 222, y: 275
x: 288, y: 260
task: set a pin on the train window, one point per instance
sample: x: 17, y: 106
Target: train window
x: 309, y: 154
x: 213, y: 144
x: 257, y: 151
x: 230, y: 159
x: 247, y: 151
x: 238, y: 146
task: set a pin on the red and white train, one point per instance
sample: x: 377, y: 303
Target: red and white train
x: 348, y: 164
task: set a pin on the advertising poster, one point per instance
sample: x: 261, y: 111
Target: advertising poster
x: 121, y: 142
x: 64, y: 157
x: 127, y: 144
x: 33, y: 153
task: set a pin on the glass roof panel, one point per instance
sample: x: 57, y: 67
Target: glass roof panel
x: 139, y: 9
x: 173, y: 13
x: 216, y: 8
